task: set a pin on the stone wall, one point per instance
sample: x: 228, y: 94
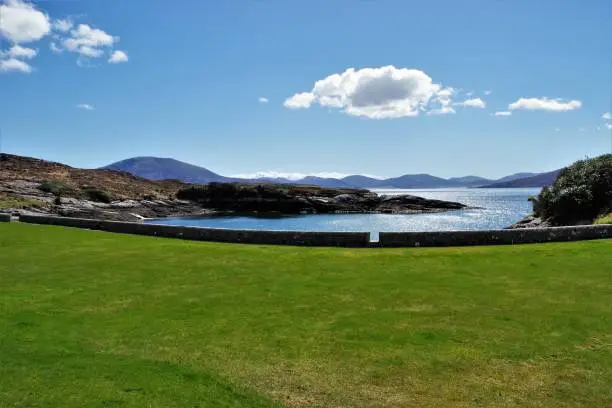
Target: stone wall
x: 496, y: 237
x: 342, y: 239
x: 5, y: 217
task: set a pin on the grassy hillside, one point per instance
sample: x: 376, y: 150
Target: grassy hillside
x: 91, y: 319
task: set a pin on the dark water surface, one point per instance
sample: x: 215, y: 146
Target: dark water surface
x: 500, y: 208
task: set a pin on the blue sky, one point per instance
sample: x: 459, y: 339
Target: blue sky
x: 404, y: 86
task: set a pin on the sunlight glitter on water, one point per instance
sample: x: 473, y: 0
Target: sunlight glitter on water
x: 498, y: 208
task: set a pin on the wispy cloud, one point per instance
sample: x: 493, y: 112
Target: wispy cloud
x: 85, y: 106
x: 472, y: 103
x: 545, y: 104
x: 503, y: 113
x: 263, y: 99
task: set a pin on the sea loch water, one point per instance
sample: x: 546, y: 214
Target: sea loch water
x: 499, y: 208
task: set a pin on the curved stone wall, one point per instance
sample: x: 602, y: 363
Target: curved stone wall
x: 340, y: 239
x: 495, y: 237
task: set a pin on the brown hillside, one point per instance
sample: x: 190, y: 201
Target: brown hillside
x: 116, y: 184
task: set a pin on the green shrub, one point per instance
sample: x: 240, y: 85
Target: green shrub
x: 582, y: 192
x: 604, y: 219
x: 94, y: 194
x: 54, y: 187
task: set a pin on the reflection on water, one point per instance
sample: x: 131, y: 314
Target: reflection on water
x: 499, y: 208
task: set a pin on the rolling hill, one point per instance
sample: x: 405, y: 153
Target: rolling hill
x: 155, y: 168
x: 538, y: 180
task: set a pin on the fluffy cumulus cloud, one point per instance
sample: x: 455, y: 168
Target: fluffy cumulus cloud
x: 502, y: 113
x: 117, y: 57
x: 377, y: 93
x: 262, y: 99
x: 300, y: 101
x: 472, y: 103
x: 546, y: 104
x: 85, y: 106
x: 22, y: 22
x: 87, y: 41
x: 14, y: 65
x: 607, y: 116
x: 17, y: 51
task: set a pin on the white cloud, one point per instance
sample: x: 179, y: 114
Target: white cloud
x: 488, y: 92
x: 87, y: 51
x: 14, y: 65
x: 117, y: 57
x: 609, y: 126
x: 444, y: 110
x: 300, y: 101
x: 294, y: 175
x: 22, y: 22
x: 376, y: 93
x: 607, y: 116
x: 502, y: 113
x: 441, y: 103
x: 547, y: 104
x: 88, y: 42
x: 17, y: 51
x: 263, y: 99
x: 472, y: 103
x: 63, y: 25
x: 53, y: 46
x: 85, y: 106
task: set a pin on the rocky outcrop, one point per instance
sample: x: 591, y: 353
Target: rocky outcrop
x: 530, y: 221
x: 33, y: 186
x: 270, y: 198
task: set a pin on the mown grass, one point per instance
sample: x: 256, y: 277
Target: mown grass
x: 92, y: 319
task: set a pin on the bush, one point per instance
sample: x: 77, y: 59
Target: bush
x: 604, y: 219
x: 93, y: 194
x: 54, y: 187
x: 582, y: 192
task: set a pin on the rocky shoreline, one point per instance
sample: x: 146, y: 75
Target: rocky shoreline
x: 268, y: 200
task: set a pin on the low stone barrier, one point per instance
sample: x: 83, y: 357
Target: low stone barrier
x: 5, y: 217
x: 494, y: 237
x: 341, y: 239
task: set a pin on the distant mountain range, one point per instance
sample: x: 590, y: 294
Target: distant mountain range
x: 537, y: 180
x: 155, y: 168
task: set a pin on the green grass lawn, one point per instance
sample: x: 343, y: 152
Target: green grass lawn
x: 93, y: 319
